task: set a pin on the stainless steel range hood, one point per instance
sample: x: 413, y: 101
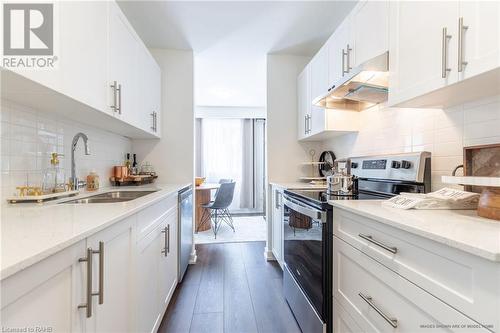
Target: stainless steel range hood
x: 361, y: 88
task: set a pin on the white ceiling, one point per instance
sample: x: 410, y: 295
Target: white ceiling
x: 258, y: 27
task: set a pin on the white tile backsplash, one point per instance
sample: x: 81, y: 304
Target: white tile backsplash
x: 442, y: 132
x: 28, y: 137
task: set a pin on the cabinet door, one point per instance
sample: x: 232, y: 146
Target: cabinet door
x: 319, y: 73
x: 168, y: 260
x: 150, y: 88
x: 337, y: 45
x: 370, y: 29
x: 81, y: 65
x: 342, y: 321
x: 481, y: 40
x: 416, y: 47
x: 149, y: 252
x: 84, y: 27
x: 277, y: 221
x: 303, y: 102
x: 47, y: 294
x: 319, y: 86
x: 122, y: 65
x: 115, y: 280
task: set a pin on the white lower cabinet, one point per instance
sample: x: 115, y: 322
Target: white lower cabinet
x: 168, y: 262
x: 390, y: 280
x: 156, y: 257
x: 343, y: 321
x: 114, y: 282
x: 277, y: 224
x: 131, y: 280
x: 380, y: 300
x: 47, y: 294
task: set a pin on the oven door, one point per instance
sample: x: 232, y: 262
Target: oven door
x: 304, y: 241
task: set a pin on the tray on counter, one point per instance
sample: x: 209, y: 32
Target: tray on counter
x: 133, y: 180
x: 41, y: 198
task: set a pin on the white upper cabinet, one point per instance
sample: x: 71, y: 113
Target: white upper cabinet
x: 83, y: 31
x: 434, y: 45
x: 319, y: 73
x: 319, y: 84
x: 96, y: 47
x: 150, y: 93
x: 80, y: 71
x: 134, y: 76
x: 423, y: 47
x: 122, y: 67
x: 303, y: 102
x: 480, y: 21
x: 339, y: 52
x: 370, y: 31
x: 363, y: 35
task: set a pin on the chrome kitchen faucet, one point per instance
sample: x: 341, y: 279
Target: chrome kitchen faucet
x: 75, y: 184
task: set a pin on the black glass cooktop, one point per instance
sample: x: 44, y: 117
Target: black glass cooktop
x: 320, y: 198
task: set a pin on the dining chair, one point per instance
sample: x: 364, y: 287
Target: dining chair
x: 217, y: 211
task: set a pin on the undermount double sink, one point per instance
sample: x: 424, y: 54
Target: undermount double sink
x: 110, y: 197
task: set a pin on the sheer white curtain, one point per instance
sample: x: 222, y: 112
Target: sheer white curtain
x: 221, y: 152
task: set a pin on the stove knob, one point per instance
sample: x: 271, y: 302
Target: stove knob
x: 354, y: 165
x: 405, y: 164
x: 396, y: 165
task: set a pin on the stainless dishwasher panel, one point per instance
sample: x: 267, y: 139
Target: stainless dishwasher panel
x: 185, y: 229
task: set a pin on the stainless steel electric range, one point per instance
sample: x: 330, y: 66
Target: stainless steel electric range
x: 308, y: 230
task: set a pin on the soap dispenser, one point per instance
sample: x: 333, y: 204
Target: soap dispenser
x: 54, y: 177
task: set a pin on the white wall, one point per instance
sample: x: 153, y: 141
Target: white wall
x: 442, y: 132
x: 29, y: 136
x: 284, y: 152
x: 235, y: 78
x: 173, y: 155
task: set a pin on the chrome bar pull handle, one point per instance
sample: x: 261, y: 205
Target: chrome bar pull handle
x: 88, y: 299
x: 114, y: 106
x: 119, y: 90
x: 444, y: 53
x: 344, y: 54
x: 168, y: 238
x: 348, y: 58
x: 153, y: 121
x: 165, y: 249
x: 369, y: 238
x: 100, y: 293
x: 392, y: 321
x: 461, y: 30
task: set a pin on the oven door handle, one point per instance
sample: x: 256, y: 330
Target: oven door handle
x: 308, y: 211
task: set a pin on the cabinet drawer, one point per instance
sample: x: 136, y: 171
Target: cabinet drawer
x: 468, y: 283
x: 380, y: 300
x: 148, y: 218
x: 343, y: 321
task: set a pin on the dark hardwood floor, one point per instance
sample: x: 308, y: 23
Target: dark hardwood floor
x: 231, y: 289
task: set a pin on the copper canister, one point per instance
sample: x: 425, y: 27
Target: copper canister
x: 120, y: 172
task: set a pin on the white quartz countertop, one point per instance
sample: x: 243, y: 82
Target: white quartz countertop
x: 461, y: 229
x: 298, y: 185
x: 33, y: 232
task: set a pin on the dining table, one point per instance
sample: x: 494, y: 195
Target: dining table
x: 203, y: 196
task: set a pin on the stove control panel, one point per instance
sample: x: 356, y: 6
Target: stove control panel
x: 406, y: 166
